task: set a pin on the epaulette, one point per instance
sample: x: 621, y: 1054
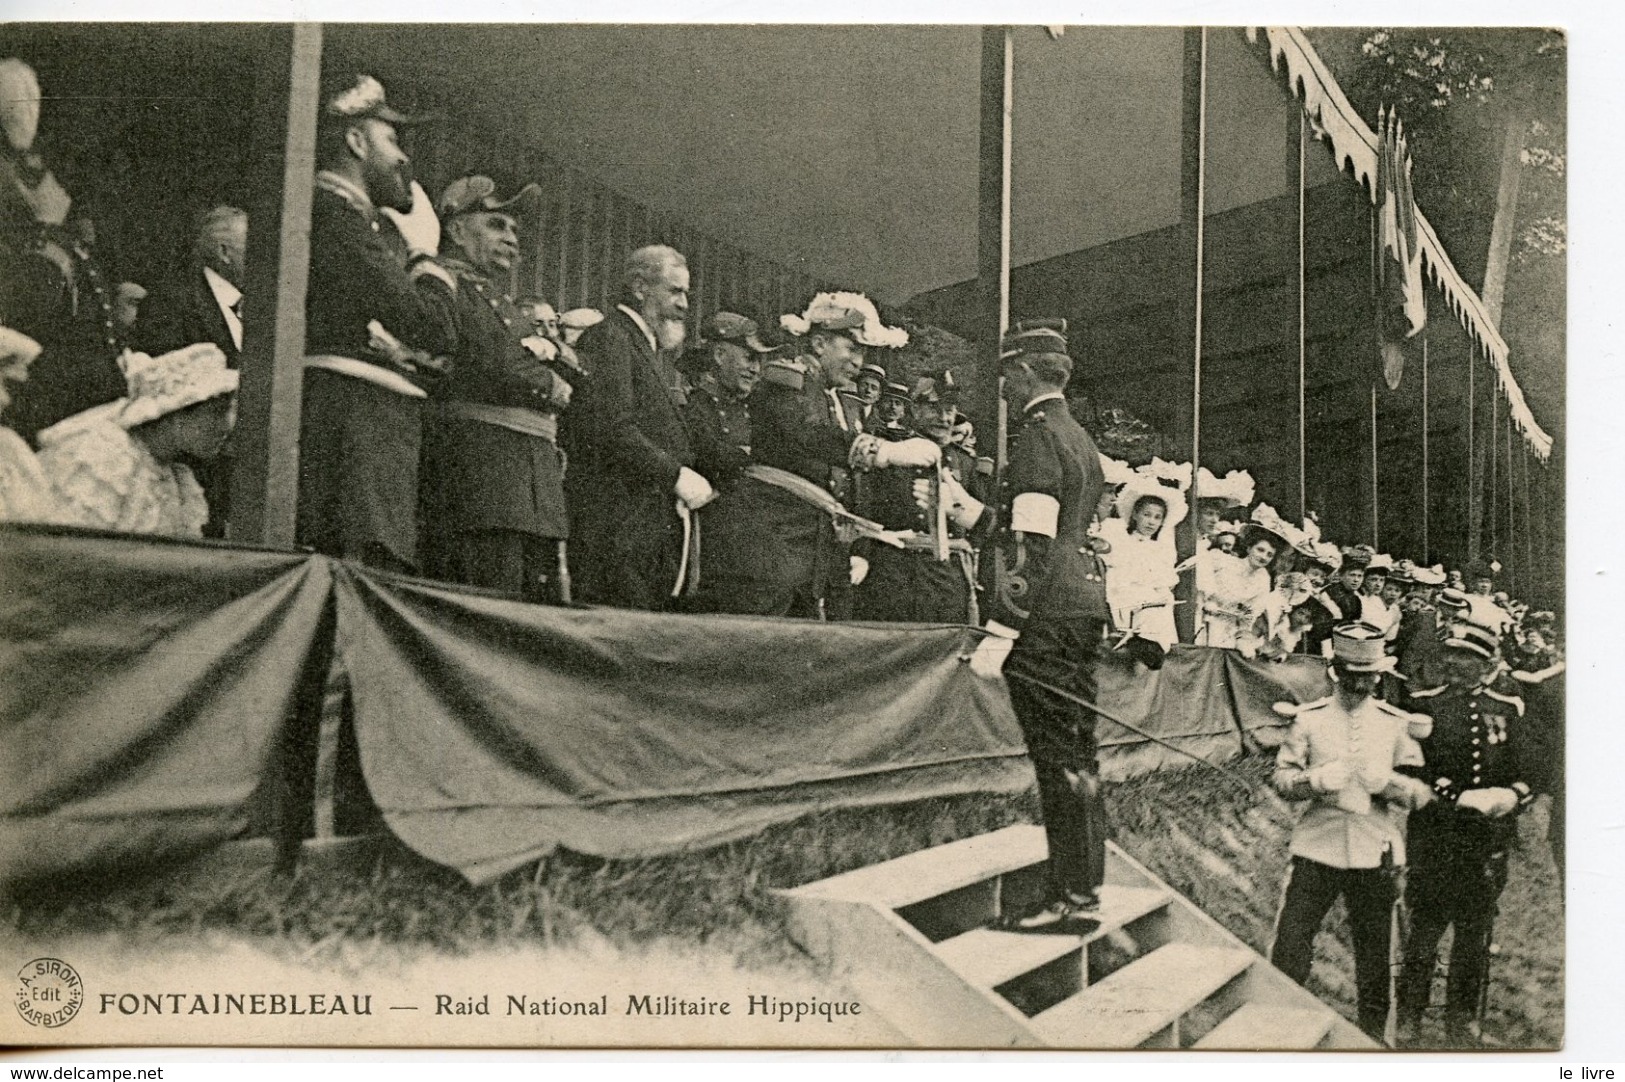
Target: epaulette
x: 1510, y: 700
x: 1419, y: 726
x: 1428, y: 693
x: 1293, y: 710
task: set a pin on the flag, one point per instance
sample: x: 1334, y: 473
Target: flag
x: 1400, y: 297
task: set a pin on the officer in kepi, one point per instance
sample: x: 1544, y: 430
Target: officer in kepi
x: 1476, y: 761
x: 493, y: 478
x: 1044, y: 638
x: 1342, y: 755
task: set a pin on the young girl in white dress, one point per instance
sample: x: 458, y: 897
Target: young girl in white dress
x: 1140, y: 575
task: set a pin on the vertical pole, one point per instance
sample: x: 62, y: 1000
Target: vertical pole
x: 1472, y: 451
x: 1427, y: 552
x: 265, y: 473
x: 1303, y: 319
x: 1492, y: 491
x: 1376, y: 324
x: 1535, y: 575
x: 1193, y: 240
x: 1376, y: 531
x: 1512, y: 517
x: 993, y: 222
x: 562, y: 295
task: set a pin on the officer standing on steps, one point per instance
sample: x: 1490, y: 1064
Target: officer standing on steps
x: 1341, y: 755
x: 1477, y: 762
x: 1052, y: 632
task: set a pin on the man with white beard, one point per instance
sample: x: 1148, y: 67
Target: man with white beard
x: 631, y: 465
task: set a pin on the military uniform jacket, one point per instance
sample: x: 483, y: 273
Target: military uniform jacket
x: 719, y: 430
x: 52, y: 290
x: 479, y: 474
x: 358, y: 275
x: 1372, y: 740
x: 1479, y: 741
x: 1050, y: 453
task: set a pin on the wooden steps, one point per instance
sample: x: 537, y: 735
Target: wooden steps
x: 987, y: 958
x: 1262, y: 1027
x: 913, y: 937
x: 1143, y: 999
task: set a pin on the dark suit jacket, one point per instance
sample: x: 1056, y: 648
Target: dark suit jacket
x: 179, y: 314
x: 626, y: 441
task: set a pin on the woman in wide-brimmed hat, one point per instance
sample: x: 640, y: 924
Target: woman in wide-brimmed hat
x: 1140, y: 575
x: 120, y: 466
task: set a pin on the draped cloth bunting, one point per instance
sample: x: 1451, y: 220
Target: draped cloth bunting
x: 1356, y: 149
x: 145, y: 686
x: 155, y: 699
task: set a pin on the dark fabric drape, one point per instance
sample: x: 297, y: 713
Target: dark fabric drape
x: 156, y: 700
x: 493, y: 731
x: 145, y: 686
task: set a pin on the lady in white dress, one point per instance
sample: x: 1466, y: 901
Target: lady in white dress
x: 121, y: 466
x: 1140, y: 574
x: 1236, y: 588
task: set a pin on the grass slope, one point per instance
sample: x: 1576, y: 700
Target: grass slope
x: 1222, y: 846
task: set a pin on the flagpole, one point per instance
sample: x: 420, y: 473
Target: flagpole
x: 1493, y: 488
x: 1427, y: 553
x: 1303, y: 320
x: 1471, y: 530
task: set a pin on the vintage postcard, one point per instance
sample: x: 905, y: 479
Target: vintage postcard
x: 756, y: 536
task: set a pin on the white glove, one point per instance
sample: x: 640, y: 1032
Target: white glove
x: 913, y: 452
x: 541, y: 348
x: 1329, y: 777
x: 859, y: 569
x: 991, y: 652
x: 695, y: 491
x: 1493, y: 803
x: 963, y: 509
x: 561, y: 392
x: 1410, y: 792
x: 419, y: 225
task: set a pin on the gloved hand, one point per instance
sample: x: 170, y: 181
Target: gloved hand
x: 1411, y: 793
x: 541, y: 348
x: 1493, y: 803
x: 859, y: 569
x: 561, y: 392
x: 1329, y: 777
x: 695, y: 491
x: 963, y: 509
x: 991, y: 652
x: 419, y: 225
x: 911, y: 452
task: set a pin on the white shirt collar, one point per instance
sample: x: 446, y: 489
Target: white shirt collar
x: 226, y: 296
x: 654, y: 343
x: 1045, y: 397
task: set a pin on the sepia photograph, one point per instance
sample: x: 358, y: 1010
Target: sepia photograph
x: 758, y: 536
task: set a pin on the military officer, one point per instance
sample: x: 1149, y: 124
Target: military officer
x: 379, y: 309
x: 724, y: 366
x: 1476, y: 760
x: 910, y: 585
x: 493, y: 480
x: 890, y: 417
x: 52, y: 288
x: 781, y: 555
x: 1051, y: 633
x: 1341, y: 755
